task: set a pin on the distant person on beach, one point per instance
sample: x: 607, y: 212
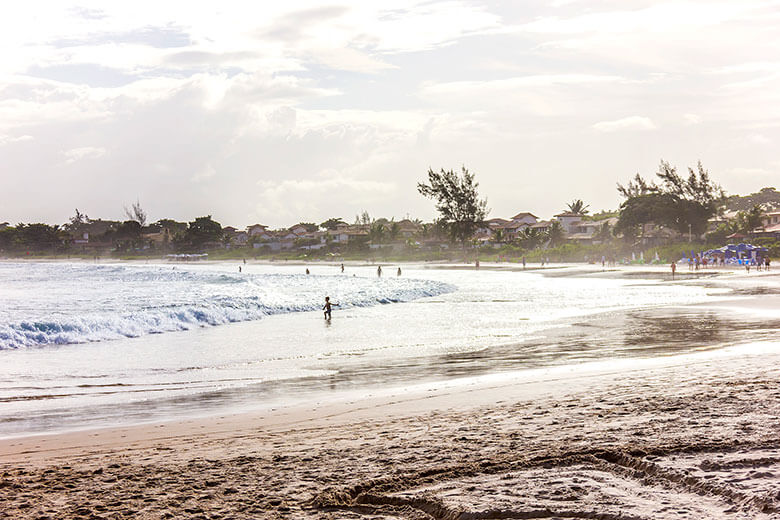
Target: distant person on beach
x: 307, y: 270
x: 674, y: 269
x: 239, y: 268
x: 244, y: 261
x: 327, y: 307
x: 399, y: 272
x: 379, y: 271
x: 766, y: 264
x: 476, y: 264
x: 523, y: 262
x: 342, y: 268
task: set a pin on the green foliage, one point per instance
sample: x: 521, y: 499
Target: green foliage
x: 751, y: 219
x: 578, y: 207
x: 457, y: 201
x: 378, y: 233
x: 678, y: 203
x: 39, y: 237
x: 332, y: 223
x: 202, y: 230
x: 766, y: 197
x: 530, y: 238
x: 601, y: 215
x: 310, y: 226
x: 555, y: 234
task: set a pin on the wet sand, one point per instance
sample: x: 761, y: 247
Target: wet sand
x: 693, y: 436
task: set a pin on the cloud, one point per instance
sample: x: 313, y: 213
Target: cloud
x: 692, y: 119
x: 9, y: 139
x: 327, y: 194
x: 625, y: 124
x: 85, y: 152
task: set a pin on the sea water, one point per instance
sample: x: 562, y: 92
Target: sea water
x: 94, y: 344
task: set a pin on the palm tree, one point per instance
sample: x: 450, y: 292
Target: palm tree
x: 578, y: 207
x: 555, y: 234
x: 499, y: 236
x: 530, y: 237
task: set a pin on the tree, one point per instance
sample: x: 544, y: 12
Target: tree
x: 683, y: 204
x: 555, y: 234
x: 39, y: 237
x: 604, y: 233
x: 530, y: 238
x: 76, y: 221
x: 499, y: 236
x: 457, y: 201
x: 332, y: 224
x: 136, y: 213
x: 310, y: 226
x: 203, y: 230
x: 578, y: 207
x: 377, y: 233
x: 394, y: 230
x: 751, y: 219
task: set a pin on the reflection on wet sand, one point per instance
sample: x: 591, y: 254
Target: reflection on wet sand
x: 643, y: 333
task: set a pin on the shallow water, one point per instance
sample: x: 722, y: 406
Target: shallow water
x: 211, y: 340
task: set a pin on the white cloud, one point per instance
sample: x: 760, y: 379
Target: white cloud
x: 9, y: 139
x: 625, y: 124
x: 327, y: 194
x: 692, y: 119
x: 84, y: 152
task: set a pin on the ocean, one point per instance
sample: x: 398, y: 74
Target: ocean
x: 85, y: 345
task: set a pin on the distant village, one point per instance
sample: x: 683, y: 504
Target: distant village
x: 523, y: 231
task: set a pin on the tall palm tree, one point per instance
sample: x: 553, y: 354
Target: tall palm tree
x: 578, y: 207
x: 555, y: 234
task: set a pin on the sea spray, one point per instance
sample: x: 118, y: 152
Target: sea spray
x: 59, y: 304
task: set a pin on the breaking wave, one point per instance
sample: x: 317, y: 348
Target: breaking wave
x: 107, y: 303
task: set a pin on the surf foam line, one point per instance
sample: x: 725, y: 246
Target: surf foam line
x: 218, y: 310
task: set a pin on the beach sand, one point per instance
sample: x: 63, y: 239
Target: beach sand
x: 693, y: 436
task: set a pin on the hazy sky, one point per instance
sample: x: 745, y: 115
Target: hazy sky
x: 306, y: 110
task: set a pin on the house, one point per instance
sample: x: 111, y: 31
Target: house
x: 241, y: 238
x: 771, y: 218
x: 256, y: 229
x: 543, y: 226
x: 525, y: 218
x: 568, y: 220
x: 408, y: 228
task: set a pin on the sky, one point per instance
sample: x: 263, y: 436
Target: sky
x: 279, y: 112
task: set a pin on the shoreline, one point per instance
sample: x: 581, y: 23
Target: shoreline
x: 461, y: 449
x: 691, y: 436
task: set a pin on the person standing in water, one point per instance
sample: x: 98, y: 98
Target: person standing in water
x: 674, y: 268
x: 342, y: 268
x: 399, y: 271
x: 379, y: 271
x: 327, y: 307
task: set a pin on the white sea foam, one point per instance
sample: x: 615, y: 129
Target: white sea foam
x: 56, y: 304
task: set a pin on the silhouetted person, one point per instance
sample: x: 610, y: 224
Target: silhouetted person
x: 399, y: 271
x: 674, y: 269
x: 379, y: 271
x: 327, y: 307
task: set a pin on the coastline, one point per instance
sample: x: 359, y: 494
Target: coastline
x: 679, y: 436
x: 639, y: 427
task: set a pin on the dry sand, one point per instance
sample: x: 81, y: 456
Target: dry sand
x: 684, y: 437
